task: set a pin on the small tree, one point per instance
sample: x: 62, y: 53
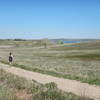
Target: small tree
x: 59, y: 42
x: 46, y: 42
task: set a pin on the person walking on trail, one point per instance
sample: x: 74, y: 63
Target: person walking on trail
x: 10, y: 58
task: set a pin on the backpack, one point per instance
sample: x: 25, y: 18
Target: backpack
x: 10, y: 58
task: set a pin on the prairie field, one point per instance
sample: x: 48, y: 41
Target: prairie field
x: 80, y: 61
x: 13, y: 87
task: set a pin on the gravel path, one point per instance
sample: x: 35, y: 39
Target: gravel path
x: 67, y: 85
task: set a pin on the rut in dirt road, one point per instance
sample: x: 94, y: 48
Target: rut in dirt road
x: 67, y: 85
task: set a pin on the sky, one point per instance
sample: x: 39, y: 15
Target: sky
x: 36, y: 19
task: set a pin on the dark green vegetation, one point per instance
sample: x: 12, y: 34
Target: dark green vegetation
x: 15, y: 88
x: 77, y: 61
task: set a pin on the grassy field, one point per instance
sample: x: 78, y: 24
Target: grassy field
x: 13, y: 87
x: 77, y: 61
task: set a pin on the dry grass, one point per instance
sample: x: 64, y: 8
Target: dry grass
x: 79, y: 62
x: 13, y: 87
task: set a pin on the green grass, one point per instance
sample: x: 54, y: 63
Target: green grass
x: 93, y: 80
x: 86, y: 56
x: 13, y: 87
x: 77, y: 62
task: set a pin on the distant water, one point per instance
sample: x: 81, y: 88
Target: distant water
x: 72, y: 41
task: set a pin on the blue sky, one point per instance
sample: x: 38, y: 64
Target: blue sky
x: 35, y: 19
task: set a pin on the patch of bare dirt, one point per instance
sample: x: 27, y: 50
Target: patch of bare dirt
x: 67, y: 85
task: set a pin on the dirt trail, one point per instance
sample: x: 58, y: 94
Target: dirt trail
x: 67, y: 85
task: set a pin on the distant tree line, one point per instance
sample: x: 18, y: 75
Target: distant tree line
x: 19, y: 40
